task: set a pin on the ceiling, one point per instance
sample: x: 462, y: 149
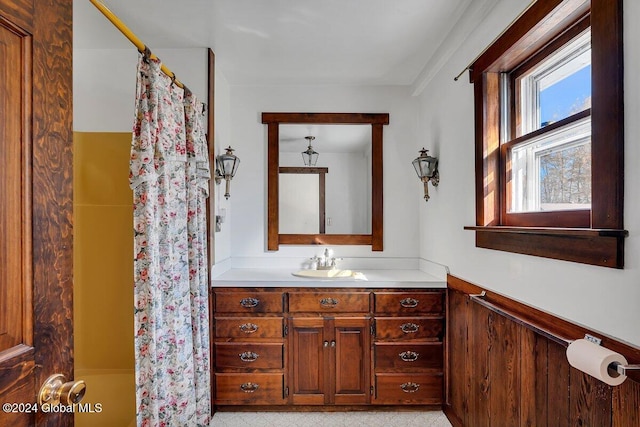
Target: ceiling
x: 329, y: 138
x: 377, y: 42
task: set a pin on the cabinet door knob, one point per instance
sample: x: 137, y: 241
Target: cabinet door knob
x: 249, y: 328
x: 333, y: 343
x: 249, y: 302
x: 409, y: 356
x: 249, y: 387
x: 409, y: 328
x: 409, y: 303
x: 248, y: 356
x: 328, y: 302
x: 410, y: 387
x: 326, y: 344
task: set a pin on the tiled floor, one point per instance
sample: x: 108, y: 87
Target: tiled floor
x: 330, y: 419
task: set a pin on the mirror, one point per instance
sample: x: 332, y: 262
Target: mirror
x: 338, y: 201
x: 343, y: 164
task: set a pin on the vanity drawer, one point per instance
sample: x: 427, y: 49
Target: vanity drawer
x: 408, y: 302
x: 250, y: 389
x: 249, y: 327
x: 249, y: 302
x: 408, y: 356
x: 329, y: 302
x: 409, y: 328
x: 394, y: 389
x: 249, y: 355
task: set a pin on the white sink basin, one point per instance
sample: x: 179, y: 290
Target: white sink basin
x: 326, y: 274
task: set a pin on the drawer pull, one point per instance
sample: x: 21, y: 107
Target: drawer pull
x: 249, y: 328
x: 410, y: 328
x: 410, y: 387
x: 248, y: 356
x: 249, y: 387
x: 328, y: 302
x: 409, y: 303
x: 249, y: 302
x: 409, y: 356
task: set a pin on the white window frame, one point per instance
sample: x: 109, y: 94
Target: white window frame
x: 567, y: 60
x: 528, y: 171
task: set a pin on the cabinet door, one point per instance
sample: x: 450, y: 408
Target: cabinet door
x: 350, y: 361
x: 308, y: 361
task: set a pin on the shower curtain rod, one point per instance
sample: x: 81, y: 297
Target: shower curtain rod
x: 133, y: 38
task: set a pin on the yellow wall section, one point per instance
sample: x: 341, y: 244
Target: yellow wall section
x: 103, y: 277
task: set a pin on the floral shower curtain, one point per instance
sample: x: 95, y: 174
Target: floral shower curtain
x: 169, y: 177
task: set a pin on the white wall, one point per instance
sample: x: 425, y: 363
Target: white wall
x: 249, y: 187
x: 600, y: 298
x: 104, y: 84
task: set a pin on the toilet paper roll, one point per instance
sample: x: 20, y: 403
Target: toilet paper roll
x: 594, y: 360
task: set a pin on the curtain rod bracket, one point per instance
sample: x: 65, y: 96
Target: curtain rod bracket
x: 456, y: 78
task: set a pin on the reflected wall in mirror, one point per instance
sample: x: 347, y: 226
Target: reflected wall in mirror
x: 349, y: 211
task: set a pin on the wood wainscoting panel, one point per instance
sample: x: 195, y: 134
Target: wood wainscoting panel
x: 533, y: 378
x: 626, y: 404
x: 590, y: 400
x: 505, y: 369
x: 456, y: 357
x: 478, y: 351
x: 558, y: 385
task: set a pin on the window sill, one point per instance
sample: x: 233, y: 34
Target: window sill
x: 602, y: 247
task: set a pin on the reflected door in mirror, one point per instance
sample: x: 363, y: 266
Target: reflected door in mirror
x: 302, y: 200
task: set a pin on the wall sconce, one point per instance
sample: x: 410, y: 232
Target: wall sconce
x: 226, y: 166
x: 309, y: 157
x: 427, y: 169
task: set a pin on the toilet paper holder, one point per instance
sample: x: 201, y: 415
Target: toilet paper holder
x: 614, y: 367
x: 623, y: 369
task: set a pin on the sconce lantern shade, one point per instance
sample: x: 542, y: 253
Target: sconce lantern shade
x: 309, y: 157
x: 226, y: 167
x: 427, y: 169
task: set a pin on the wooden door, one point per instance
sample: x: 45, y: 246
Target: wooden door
x: 309, y: 357
x: 36, y: 317
x: 351, y: 361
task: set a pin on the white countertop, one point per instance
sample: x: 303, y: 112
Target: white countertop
x: 277, y: 277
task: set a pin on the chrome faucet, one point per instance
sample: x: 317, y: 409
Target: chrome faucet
x: 324, y: 262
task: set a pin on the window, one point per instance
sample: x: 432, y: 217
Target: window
x: 556, y: 88
x: 549, y: 134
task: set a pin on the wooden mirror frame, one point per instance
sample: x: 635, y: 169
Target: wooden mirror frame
x: 273, y: 121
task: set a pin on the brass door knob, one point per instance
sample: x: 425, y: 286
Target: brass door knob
x: 56, y: 391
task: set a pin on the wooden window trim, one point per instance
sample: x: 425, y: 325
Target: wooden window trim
x: 542, y: 24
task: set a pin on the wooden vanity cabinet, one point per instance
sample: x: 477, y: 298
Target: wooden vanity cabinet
x: 300, y: 347
x: 408, y: 348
